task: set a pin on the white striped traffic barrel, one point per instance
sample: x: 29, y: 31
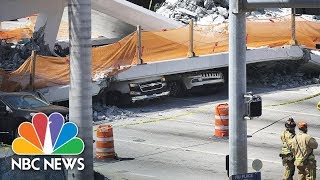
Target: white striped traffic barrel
x: 104, y: 142
x: 221, y: 124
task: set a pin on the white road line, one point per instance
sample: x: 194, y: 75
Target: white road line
x: 197, y: 100
x: 211, y: 124
x: 304, y: 93
x: 292, y: 112
x: 199, y: 151
x: 144, y: 175
x: 188, y: 149
x: 193, y: 122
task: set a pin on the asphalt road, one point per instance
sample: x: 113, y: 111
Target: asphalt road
x: 174, y: 139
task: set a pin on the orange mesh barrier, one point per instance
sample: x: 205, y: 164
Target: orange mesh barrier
x: 163, y: 45
x: 16, y: 34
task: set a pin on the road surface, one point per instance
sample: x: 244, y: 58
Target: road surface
x: 174, y: 139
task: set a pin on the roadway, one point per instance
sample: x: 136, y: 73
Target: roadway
x: 174, y: 139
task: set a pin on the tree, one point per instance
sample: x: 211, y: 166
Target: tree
x: 80, y: 99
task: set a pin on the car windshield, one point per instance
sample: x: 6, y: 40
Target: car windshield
x: 24, y: 102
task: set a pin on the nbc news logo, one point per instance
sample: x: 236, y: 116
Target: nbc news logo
x: 47, y: 136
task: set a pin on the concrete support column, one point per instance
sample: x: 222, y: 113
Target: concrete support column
x: 41, y: 21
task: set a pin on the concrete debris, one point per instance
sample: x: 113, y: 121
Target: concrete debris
x: 62, y: 49
x: 279, y: 75
x: 202, y: 11
x: 315, y: 81
x: 12, y: 56
x: 105, y: 114
x: 209, y: 12
x: 277, y: 13
x: 42, y: 48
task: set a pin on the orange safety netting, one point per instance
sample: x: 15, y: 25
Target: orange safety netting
x: 24, y: 31
x: 162, y: 45
x: 16, y: 34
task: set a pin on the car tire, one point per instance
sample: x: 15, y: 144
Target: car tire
x: 125, y: 99
x: 177, y: 89
x: 113, y: 98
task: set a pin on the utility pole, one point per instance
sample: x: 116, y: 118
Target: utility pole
x: 237, y: 89
x: 237, y: 73
x: 80, y: 99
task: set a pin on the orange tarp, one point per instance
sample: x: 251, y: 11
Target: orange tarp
x: 163, y: 45
x: 16, y: 34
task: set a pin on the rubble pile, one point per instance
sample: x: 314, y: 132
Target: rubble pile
x: 208, y: 12
x: 280, y: 76
x: 61, y: 48
x: 13, y: 55
x: 10, y: 58
x: 202, y: 11
x: 103, y: 113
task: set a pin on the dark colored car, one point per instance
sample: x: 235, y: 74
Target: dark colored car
x: 19, y: 107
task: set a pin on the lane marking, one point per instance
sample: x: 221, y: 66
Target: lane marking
x: 198, y: 151
x: 294, y: 101
x: 155, y: 120
x: 144, y: 175
x: 194, y: 122
x: 292, y: 112
x: 302, y: 93
x: 191, y: 100
x: 172, y: 147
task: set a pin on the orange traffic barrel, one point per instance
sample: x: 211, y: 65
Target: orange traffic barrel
x: 104, y: 142
x: 221, y: 124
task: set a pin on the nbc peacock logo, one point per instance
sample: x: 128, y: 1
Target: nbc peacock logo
x: 48, y: 136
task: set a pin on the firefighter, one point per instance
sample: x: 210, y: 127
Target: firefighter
x: 302, y: 147
x: 286, y: 154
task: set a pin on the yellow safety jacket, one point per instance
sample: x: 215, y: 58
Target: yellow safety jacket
x: 302, y: 146
x: 286, y: 136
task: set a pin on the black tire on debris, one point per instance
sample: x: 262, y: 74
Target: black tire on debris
x: 176, y: 88
x: 113, y: 98
x: 116, y: 98
x: 125, y: 99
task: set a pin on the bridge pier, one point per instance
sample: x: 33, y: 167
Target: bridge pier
x: 50, y: 13
x: 51, y: 20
